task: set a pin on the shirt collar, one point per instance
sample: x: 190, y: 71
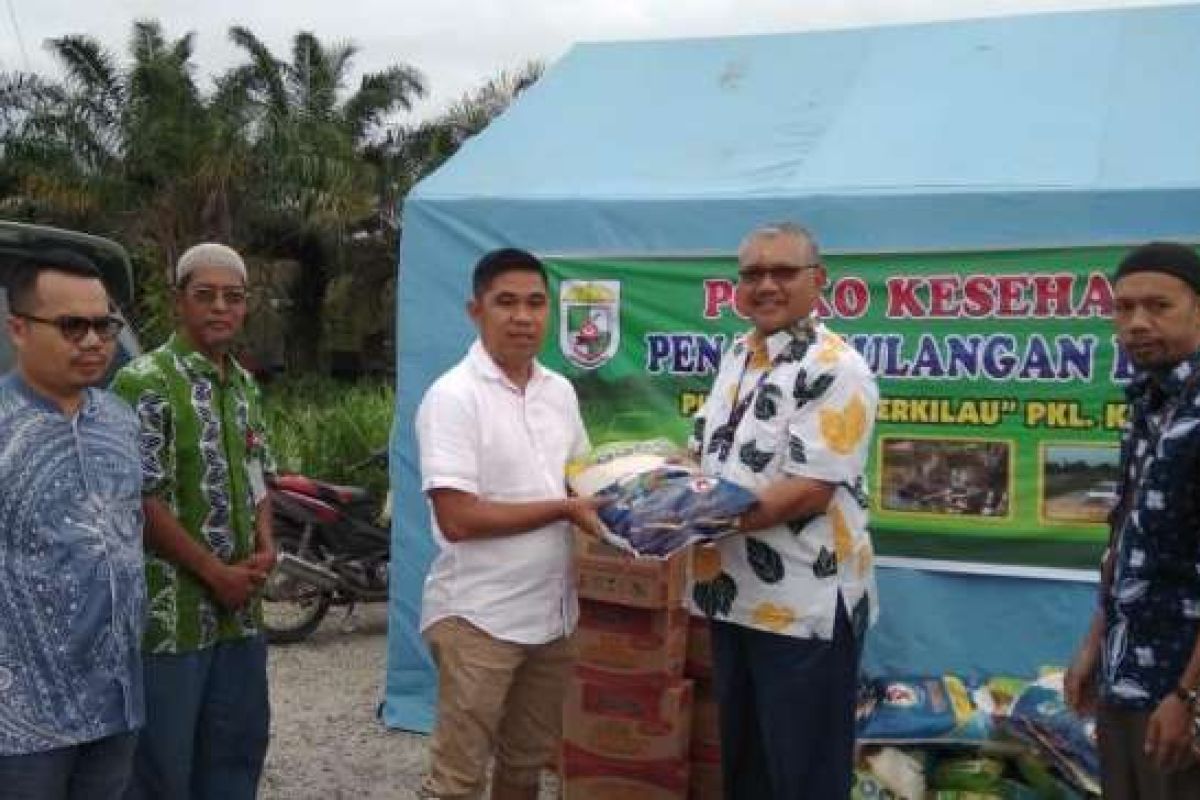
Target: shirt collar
x: 1163, y: 385
x: 18, y: 384
x: 183, y: 349
x: 487, y: 368
x: 798, y: 336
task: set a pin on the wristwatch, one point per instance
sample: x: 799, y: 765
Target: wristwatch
x: 1187, y: 695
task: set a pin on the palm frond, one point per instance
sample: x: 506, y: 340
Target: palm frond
x: 269, y: 70
x: 183, y: 49
x: 88, y: 64
x: 147, y: 41
x: 379, y: 94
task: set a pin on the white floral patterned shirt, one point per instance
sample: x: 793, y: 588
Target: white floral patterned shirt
x: 810, y: 414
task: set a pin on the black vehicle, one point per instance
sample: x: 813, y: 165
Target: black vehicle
x: 334, y: 549
x: 19, y: 241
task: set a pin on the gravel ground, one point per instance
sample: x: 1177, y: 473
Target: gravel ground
x: 326, y: 742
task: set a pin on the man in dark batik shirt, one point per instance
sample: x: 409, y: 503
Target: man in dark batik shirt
x: 1139, y: 667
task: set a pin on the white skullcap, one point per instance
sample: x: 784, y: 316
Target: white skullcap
x: 209, y: 254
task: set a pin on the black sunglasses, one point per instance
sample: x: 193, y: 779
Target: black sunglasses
x: 75, y: 328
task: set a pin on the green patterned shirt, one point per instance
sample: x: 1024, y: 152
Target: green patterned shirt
x: 203, y: 446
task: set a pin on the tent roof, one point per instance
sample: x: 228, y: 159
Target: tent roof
x: 1082, y: 101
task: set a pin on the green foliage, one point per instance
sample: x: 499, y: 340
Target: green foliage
x: 282, y: 159
x: 322, y: 428
x: 153, y: 315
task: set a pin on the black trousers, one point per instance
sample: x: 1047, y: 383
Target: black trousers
x: 787, y: 712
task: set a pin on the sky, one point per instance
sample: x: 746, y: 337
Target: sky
x: 459, y: 44
x: 1092, y: 456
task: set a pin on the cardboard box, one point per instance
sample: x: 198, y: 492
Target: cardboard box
x: 605, y: 573
x: 589, y: 777
x: 699, y: 663
x: 704, y: 781
x: 630, y: 721
x: 639, y: 644
x: 706, y: 733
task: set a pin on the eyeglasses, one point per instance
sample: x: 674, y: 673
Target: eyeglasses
x: 75, y: 329
x: 207, y: 295
x: 782, y: 274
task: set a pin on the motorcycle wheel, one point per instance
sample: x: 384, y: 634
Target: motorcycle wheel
x: 292, y: 607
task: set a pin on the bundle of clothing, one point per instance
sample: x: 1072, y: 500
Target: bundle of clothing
x: 660, y: 502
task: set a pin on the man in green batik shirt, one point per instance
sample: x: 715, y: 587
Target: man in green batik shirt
x: 208, y: 539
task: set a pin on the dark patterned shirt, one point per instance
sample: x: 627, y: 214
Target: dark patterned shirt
x: 204, y: 454
x: 1152, y: 608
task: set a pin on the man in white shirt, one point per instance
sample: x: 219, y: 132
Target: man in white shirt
x: 495, y: 435
x: 789, y: 417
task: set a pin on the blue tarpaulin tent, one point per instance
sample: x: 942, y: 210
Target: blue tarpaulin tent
x: 1052, y: 130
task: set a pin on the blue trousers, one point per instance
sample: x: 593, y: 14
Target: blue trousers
x: 786, y: 712
x: 96, y: 770
x: 207, y: 724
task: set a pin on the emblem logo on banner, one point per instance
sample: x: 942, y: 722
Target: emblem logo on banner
x: 589, y: 328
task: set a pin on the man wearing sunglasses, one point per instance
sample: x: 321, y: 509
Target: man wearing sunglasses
x: 72, y: 593
x: 789, y: 417
x: 209, y: 544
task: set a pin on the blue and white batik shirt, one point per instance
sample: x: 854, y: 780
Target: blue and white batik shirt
x: 72, y: 586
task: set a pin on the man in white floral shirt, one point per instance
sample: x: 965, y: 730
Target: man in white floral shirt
x: 789, y: 417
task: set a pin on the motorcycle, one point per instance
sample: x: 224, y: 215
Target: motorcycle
x: 334, y: 545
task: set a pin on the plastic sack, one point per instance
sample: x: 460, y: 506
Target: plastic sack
x: 1040, y: 717
x: 868, y: 787
x: 970, y: 774
x: 901, y: 773
x: 615, y: 461
x: 920, y: 710
x: 661, y: 504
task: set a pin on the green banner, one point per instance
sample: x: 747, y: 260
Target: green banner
x: 999, y: 377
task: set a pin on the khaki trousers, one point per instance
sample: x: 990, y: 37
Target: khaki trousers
x: 1127, y: 774
x: 494, y: 698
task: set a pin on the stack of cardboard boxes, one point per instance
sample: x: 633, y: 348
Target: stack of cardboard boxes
x: 705, y: 751
x: 628, y: 713
x: 628, y: 731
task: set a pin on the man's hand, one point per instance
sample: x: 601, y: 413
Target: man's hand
x: 234, y: 584
x: 1169, y: 734
x: 261, y: 563
x: 1079, y: 684
x: 581, y: 511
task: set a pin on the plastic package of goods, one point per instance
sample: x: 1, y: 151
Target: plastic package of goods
x: 614, y: 461
x: 920, y: 710
x: 868, y: 787
x: 1040, y: 717
x: 901, y: 772
x: 661, y: 503
x: 970, y: 774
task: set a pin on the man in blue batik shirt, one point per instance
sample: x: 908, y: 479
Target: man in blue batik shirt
x: 1139, y: 667
x: 72, y: 592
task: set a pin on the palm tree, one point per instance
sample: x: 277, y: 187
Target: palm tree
x: 314, y: 185
x: 183, y: 170
x: 62, y: 139
x: 132, y: 151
